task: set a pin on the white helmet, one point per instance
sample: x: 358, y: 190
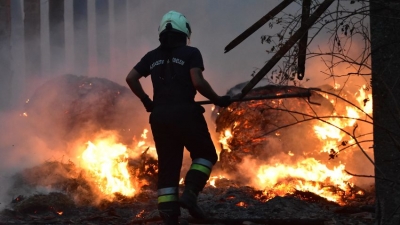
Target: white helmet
x: 178, y: 22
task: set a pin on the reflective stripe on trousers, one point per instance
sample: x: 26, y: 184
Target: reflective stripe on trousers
x: 202, y: 165
x: 169, y: 194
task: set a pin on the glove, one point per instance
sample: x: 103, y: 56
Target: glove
x: 148, y: 103
x: 223, y: 101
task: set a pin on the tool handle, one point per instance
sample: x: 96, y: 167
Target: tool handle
x: 262, y: 97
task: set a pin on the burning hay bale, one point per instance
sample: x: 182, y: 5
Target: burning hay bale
x: 69, y: 107
x: 283, y: 146
x: 253, y: 128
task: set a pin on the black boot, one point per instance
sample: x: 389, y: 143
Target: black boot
x: 188, y: 201
x: 171, y: 221
x: 168, y: 219
x: 174, y: 221
x: 169, y: 212
x: 195, y: 180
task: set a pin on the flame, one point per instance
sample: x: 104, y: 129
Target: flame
x: 146, y: 147
x: 107, y: 161
x: 364, y: 99
x: 351, y: 113
x: 224, y: 139
x: 330, y: 131
x: 308, y: 174
x: 144, y: 136
x: 325, y: 131
x: 212, y: 179
x: 60, y: 213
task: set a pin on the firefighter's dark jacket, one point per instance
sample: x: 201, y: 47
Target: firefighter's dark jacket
x: 174, y: 92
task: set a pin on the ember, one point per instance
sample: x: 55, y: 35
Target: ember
x: 241, y: 204
x: 140, y: 214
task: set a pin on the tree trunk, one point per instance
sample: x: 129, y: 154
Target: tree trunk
x: 81, y: 38
x: 32, y: 40
x: 102, y: 37
x: 385, y: 43
x: 17, y: 53
x: 120, y: 31
x: 57, y: 36
x: 5, y: 54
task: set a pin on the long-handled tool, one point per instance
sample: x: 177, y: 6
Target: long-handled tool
x: 285, y: 48
x: 304, y: 94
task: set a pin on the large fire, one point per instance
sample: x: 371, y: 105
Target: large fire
x: 107, y: 161
x: 310, y: 174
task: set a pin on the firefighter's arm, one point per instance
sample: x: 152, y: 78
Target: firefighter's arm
x: 205, y: 89
x: 134, y: 84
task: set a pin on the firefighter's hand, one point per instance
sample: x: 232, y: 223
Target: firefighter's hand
x: 223, y: 101
x: 148, y: 103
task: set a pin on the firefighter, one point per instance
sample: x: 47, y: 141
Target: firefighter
x: 176, y: 121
